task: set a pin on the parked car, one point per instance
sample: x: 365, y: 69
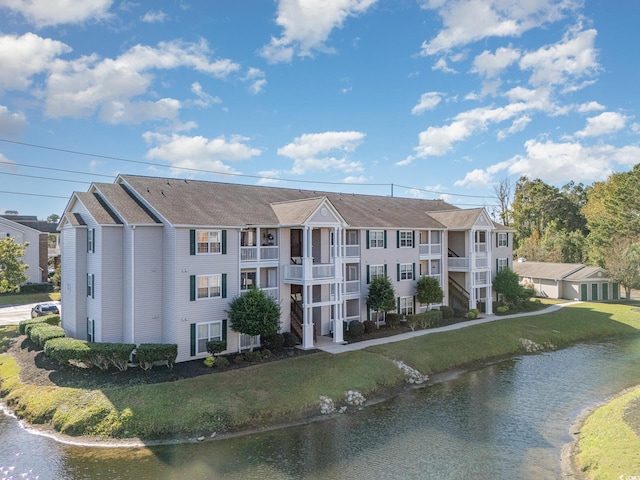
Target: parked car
x: 44, y: 309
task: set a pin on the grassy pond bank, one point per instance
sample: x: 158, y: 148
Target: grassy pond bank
x: 289, y: 390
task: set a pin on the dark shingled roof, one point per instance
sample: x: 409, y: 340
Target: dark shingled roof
x: 194, y: 202
x: 98, y: 209
x: 32, y: 221
x: 126, y: 206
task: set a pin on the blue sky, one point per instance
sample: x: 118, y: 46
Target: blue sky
x: 441, y: 99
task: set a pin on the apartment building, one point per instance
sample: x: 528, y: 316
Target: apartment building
x: 149, y: 259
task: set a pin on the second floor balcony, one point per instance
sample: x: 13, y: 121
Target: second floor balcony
x: 310, y: 272
x: 257, y: 254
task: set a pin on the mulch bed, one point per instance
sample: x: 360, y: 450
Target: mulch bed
x: 38, y: 369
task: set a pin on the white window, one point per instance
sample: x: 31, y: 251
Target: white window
x: 376, y: 239
x: 502, y: 263
x: 406, y: 271
x: 376, y: 271
x: 503, y: 239
x: 247, y: 280
x: 90, y: 285
x: 406, y: 306
x: 209, y: 286
x: 405, y: 238
x: 205, y: 332
x: 91, y: 240
x: 209, y: 241
x: 91, y: 330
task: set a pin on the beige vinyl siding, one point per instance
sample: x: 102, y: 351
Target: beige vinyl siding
x: 171, y: 321
x: 22, y: 234
x: 108, y: 284
x: 210, y: 309
x: 73, y: 271
x: 284, y: 241
x: 148, y: 284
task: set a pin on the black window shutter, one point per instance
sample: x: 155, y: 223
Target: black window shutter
x: 398, y: 265
x: 368, y: 239
x: 414, y: 304
x: 507, y: 239
x: 93, y: 286
x: 414, y: 271
x: 385, y: 269
x: 398, y: 304
x: 224, y: 285
x: 385, y: 239
x: 224, y: 330
x: 192, y: 288
x: 192, y: 242
x: 224, y: 242
x: 413, y: 239
x: 398, y: 238
x: 368, y: 274
x: 193, y: 339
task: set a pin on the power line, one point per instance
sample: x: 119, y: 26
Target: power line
x: 140, y: 162
x: 34, y: 194
x: 54, y: 169
x: 44, y: 178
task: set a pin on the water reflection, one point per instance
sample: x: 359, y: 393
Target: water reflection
x: 507, y: 420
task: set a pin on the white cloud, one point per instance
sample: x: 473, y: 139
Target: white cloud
x: 564, y: 62
x: 197, y: 152
x: 24, y: 56
x: 307, y: 25
x: 7, y: 164
x: 45, y: 13
x: 559, y: 163
x: 311, y: 151
x: 437, y: 141
x: 155, y: 16
x: 443, y: 66
x: 12, y: 124
x: 86, y: 85
x: 590, y: 107
x: 603, y: 124
x: 355, y: 179
x: 428, y: 101
x: 204, y: 99
x: 256, y: 80
x: 467, y: 21
x: 490, y: 65
x: 518, y: 125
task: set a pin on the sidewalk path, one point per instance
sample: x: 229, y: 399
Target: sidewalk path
x: 335, y: 348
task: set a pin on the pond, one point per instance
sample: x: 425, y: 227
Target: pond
x: 507, y: 420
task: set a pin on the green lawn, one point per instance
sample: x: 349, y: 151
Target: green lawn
x: 25, y: 298
x: 289, y: 390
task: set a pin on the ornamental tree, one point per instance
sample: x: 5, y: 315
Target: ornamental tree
x: 12, y: 268
x: 381, y: 297
x: 506, y: 283
x: 254, y: 313
x: 428, y: 291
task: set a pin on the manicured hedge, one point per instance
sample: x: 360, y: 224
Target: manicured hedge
x: 40, y: 333
x: 393, y: 319
x: 36, y: 287
x: 53, y: 319
x: 149, y: 353
x: 92, y: 354
x: 430, y: 319
x: 63, y: 350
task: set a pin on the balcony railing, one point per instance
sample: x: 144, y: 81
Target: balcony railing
x: 351, y: 287
x: 313, y: 272
x: 482, y: 261
x: 351, y: 251
x: 269, y: 291
x: 459, y: 263
x: 250, y: 254
x: 430, y: 249
x: 481, y: 278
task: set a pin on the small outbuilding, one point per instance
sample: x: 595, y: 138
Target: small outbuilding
x: 569, y: 281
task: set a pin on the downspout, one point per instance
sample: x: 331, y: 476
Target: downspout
x: 133, y: 284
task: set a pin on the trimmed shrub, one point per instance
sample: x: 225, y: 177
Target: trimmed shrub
x: 216, y: 346
x: 447, y: 312
x: 393, y: 319
x: 369, y: 326
x: 221, y: 362
x: 253, y: 357
x: 356, y: 329
x: 210, y: 361
x: 502, y: 309
x: 36, y: 288
x: 149, y: 353
x: 472, y: 314
x: 53, y: 319
x: 65, y: 349
x: 273, y: 342
x: 42, y: 332
x: 430, y: 319
x: 265, y: 353
x: 103, y: 355
x: 289, y: 339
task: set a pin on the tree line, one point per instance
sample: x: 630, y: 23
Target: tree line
x: 597, y: 224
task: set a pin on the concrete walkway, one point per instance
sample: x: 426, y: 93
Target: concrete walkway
x: 326, y: 345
